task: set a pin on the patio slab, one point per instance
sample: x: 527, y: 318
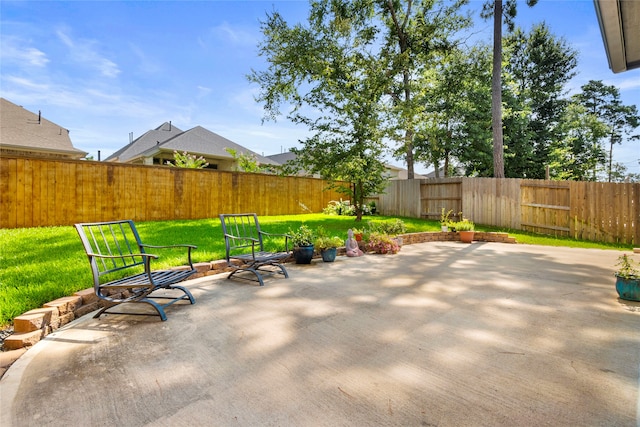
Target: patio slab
x: 444, y: 334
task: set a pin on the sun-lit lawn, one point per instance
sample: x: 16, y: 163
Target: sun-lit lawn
x: 38, y: 265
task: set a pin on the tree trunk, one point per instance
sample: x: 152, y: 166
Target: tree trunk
x: 358, y: 199
x: 610, y: 156
x: 409, y: 157
x: 408, y: 136
x: 496, y: 92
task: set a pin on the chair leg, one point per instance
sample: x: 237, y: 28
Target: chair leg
x: 250, y: 270
x: 186, y: 292
x: 154, y: 304
x: 284, y: 270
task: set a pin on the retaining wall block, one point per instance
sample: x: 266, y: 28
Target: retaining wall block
x: 22, y: 339
x: 65, y: 304
x: 88, y: 296
x: 35, y: 319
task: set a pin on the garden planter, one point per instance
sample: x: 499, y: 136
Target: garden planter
x: 303, y: 254
x: 329, y: 254
x: 466, y: 236
x: 628, y: 289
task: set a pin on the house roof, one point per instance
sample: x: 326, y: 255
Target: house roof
x: 144, y: 142
x: 620, y: 28
x: 283, y: 158
x: 22, y: 130
x: 168, y: 138
x: 401, y: 172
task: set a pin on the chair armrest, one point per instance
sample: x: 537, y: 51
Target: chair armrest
x: 188, y: 247
x: 286, y: 238
x: 229, y: 236
x: 147, y: 256
x: 169, y: 246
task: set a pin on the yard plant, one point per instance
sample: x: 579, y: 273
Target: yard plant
x: 38, y: 265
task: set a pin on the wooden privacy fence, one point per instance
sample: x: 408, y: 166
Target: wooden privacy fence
x: 595, y: 211
x: 39, y: 192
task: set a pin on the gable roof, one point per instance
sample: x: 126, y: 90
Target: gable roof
x: 26, y: 132
x: 167, y: 138
x: 145, y: 142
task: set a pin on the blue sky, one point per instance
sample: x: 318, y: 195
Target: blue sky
x: 106, y: 69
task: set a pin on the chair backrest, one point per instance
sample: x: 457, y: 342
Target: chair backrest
x: 243, y: 228
x: 116, y: 238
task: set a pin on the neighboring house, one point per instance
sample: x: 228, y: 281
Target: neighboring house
x: 156, y: 147
x: 457, y: 171
x: 28, y: 134
x: 287, y: 157
x: 395, y: 172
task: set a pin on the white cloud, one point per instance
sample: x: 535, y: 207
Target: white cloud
x: 85, y: 53
x: 26, y: 83
x: 235, y: 35
x: 629, y: 83
x: 203, y: 91
x: 14, y: 50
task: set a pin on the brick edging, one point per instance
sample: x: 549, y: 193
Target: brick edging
x: 32, y: 326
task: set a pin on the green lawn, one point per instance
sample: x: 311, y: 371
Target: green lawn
x: 38, y: 265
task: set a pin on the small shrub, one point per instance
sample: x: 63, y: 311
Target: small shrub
x: 392, y: 228
x: 381, y: 243
x: 188, y: 161
x: 628, y: 269
x: 342, y: 207
x: 464, y: 225
x: 303, y: 236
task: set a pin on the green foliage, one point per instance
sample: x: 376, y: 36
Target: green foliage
x: 382, y: 243
x: 493, y: 8
x: 244, y: 162
x: 302, y: 236
x: 539, y: 67
x: 341, y: 207
x: 393, y: 228
x: 463, y: 225
x: 577, y: 154
x: 188, y: 161
x: 349, y: 75
x: 603, y: 102
x: 627, y: 268
x: 324, y: 241
x: 445, y: 217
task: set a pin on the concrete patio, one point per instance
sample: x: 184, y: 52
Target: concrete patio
x: 442, y: 334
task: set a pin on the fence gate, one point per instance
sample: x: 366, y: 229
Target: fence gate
x: 545, y: 207
x: 440, y: 193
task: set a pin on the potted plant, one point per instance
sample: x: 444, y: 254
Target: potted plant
x: 393, y: 229
x: 381, y: 243
x: 302, y: 240
x: 328, y: 247
x: 628, y: 278
x: 466, y: 229
x: 357, y: 234
x: 445, y: 219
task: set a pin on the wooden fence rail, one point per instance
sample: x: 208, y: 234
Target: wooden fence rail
x: 39, y: 192
x: 595, y: 211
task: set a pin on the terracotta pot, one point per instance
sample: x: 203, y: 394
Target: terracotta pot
x: 466, y: 236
